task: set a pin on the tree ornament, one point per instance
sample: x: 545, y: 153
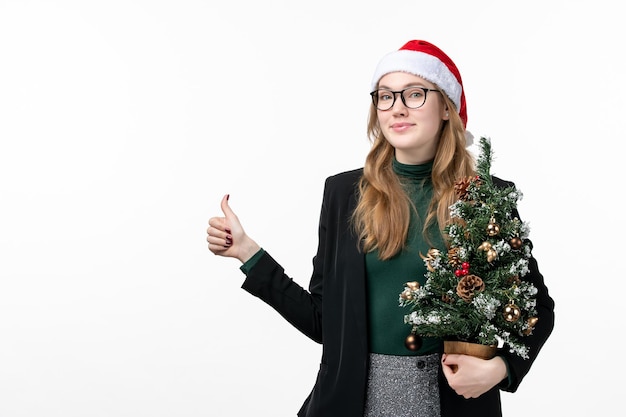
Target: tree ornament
x: 531, y: 322
x: 461, y: 188
x: 430, y: 258
x: 515, y: 243
x: 485, y: 246
x: 514, y: 280
x: 453, y: 257
x: 413, y: 285
x: 413, y: 342
x: 469, y: 286
x: 491, y: 253
x: 409, y: 287
x: 512, y: 313
x: 464, y: 270
x: 493, y: 228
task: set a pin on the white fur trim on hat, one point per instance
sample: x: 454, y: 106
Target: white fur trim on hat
x: 423, y: 65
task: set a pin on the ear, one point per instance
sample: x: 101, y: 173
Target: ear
x: 446, y: 114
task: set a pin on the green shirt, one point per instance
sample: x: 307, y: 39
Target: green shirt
x: 386, y: 279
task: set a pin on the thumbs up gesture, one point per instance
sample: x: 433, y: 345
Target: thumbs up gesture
x: 226, y: 236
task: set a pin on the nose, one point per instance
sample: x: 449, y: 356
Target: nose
x: 397, y: 98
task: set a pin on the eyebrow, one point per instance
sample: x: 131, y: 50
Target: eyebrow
x: 383, y: 87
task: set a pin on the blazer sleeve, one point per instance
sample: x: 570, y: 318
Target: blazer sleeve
x: 302, y: 308
x: 518, y: 367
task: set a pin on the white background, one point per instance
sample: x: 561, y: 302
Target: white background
x: 123, y: 123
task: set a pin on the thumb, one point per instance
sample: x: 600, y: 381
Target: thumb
x: 228, y: 212
x: 450, y: 364
x: 450, y: 359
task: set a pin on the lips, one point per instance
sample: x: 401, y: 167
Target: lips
x: 401, y: 127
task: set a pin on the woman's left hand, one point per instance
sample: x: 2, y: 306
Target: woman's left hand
x: 470, y: 376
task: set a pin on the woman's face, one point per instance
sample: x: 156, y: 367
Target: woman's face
x: 412, y: 132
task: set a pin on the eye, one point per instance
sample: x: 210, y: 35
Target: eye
x: 384, y: 95
x: 415, y: 93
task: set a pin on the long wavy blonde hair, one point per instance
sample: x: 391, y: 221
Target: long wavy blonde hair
x: 381, y: 218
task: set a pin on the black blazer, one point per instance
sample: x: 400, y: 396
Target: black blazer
x: 333, y: 312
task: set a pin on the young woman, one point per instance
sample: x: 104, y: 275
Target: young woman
x: 374, y: 224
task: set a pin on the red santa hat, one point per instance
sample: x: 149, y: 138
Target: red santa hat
x: 425, y: 60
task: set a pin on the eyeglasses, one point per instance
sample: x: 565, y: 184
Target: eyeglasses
x: 412, y: 97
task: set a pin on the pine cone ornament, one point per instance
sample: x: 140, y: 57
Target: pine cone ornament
x: 453, y: 257
x: 469, y: 286
x: 514, y: 280
x: 446, y: 298
x: 461, y: 188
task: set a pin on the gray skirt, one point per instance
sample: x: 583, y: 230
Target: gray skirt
x: 402, y: 386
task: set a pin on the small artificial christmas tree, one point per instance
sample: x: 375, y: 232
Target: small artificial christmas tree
x: 474, y: 292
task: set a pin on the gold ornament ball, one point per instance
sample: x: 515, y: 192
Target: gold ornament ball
x: 413, y: 342
x: 512, y: 313
x: 493, y: 229
x: 515, y: 243
x: 491, y: 255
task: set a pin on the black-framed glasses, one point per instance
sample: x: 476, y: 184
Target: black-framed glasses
x: 412, y: 97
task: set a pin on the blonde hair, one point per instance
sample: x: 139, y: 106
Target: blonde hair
x: 381, y: 218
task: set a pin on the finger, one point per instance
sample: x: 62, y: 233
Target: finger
x: 451, y: 359
x: 219, y: 243
x: 218, y: 249
x: 450, y: 364
x: 217, y: 236
x: 228, y: 212
x: 448, y: 371
x: 217, y: 223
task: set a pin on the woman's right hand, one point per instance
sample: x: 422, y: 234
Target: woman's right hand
x: 227, y: 238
